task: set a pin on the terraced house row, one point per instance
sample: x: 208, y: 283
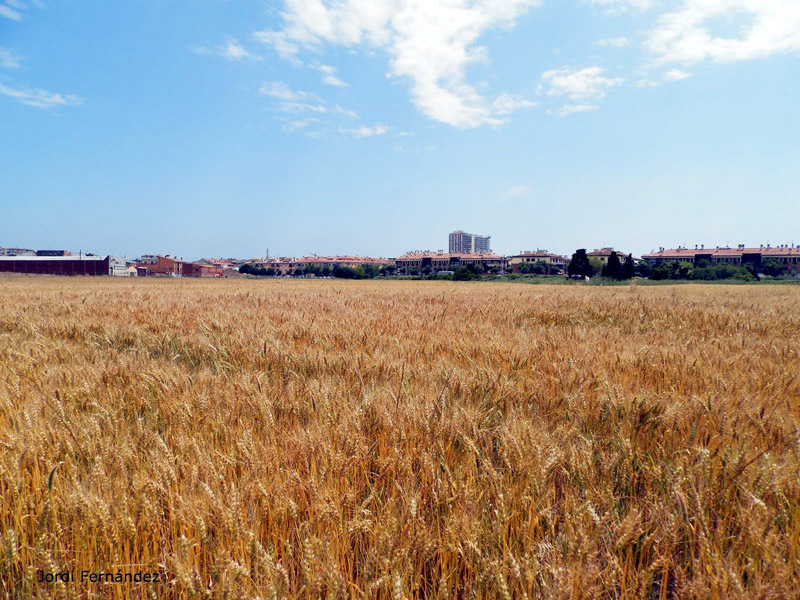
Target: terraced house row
x: 787, y: 255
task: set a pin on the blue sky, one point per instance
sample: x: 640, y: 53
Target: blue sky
x: 223, y: 128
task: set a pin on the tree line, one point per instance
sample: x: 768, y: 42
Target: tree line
x: 583, y: 266
x: 339, y: 271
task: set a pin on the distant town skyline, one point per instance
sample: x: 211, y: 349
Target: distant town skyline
x: 223, y: 129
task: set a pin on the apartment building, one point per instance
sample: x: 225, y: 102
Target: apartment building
x: 555, y: 263
x: 462, y: 242
x: 788, y: 255
x: 450, y: 261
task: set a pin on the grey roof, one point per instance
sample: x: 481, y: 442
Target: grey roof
x: 61, y: 258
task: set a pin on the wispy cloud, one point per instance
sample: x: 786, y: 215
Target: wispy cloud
x: 579, y: 84
x: 617, y: 42
x: 676, y: 75
x: 329, y: 76
x: 281, y: 91
x: 431, y: 43
x: 300, y: 105
x: 365, y: 131
x: 40, y: 98
x: 299, y: 124
x: 516, y: 192
x: 616, y: 7
x: 505, y: 104
x: 8, y: 60
x: 569, y: 109
x: 668, y: 77
x: 231, y: 50
x: 10, y: 9
x: 9, y: 13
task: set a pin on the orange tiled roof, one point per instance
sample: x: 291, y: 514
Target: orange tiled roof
x: 447, y: 255
x: 344, y: 259
x: 690, y: 253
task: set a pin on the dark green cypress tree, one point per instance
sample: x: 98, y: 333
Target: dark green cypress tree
x: 580, y: 264
x: 613, y: 268
x: 628, y: 270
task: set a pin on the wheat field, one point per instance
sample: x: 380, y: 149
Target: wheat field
x: 384, y: 439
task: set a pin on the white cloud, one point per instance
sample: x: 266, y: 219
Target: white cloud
x: 329, y: 76
x: 616, y: 7
x: 344, y: 111
x: 301, y: 107
x: 569, y: 109
x: 40, y: 98
x: 506, y: 104
x: 281, y: 91
x: 431, y: 42
x: 617, y: 42
x: 231, y: 49
x: 8, y: 60
x: 365, y: 131
x: 292, y: 126
x: 676, y: 75
x: 515, y: 192
x: 579, y: 84
x: 755, y: 29
x: 670, y: 76
x: 299, y: 101
x: 9, y: 13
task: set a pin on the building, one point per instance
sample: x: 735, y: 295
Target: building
x: 343, y: 261
x: 286, y: 265
x: 218, y: 262
x: 603, y: 254
x: 450, y: 261
x: 197, y: 269
x: 555, y: 263
x: 52, y: 253
x: 150, y: 265
x: 119, y: 266
x: 17, y: 252
x: 55, y: 265
x: 460, y: 242
x: 788, y: 255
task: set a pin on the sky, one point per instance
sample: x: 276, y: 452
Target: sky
x: 374, y: 127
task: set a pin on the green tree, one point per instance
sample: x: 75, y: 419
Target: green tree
x: 371, y: 271
x: 661, y: 272
x: 643, y: 269
x: 580, y: 265
x: 613, y: 268
x: 465, y: 274
x: 628, y: 268
x: 477, y: 269
x: 343, y: 272
x: 771, y: 267
x: 539, y: 268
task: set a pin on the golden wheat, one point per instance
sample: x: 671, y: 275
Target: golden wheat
x: 329, y: 439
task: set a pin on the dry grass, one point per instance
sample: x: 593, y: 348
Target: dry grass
x: 334, y: 439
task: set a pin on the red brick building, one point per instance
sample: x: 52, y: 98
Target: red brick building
x: 193, y: 269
